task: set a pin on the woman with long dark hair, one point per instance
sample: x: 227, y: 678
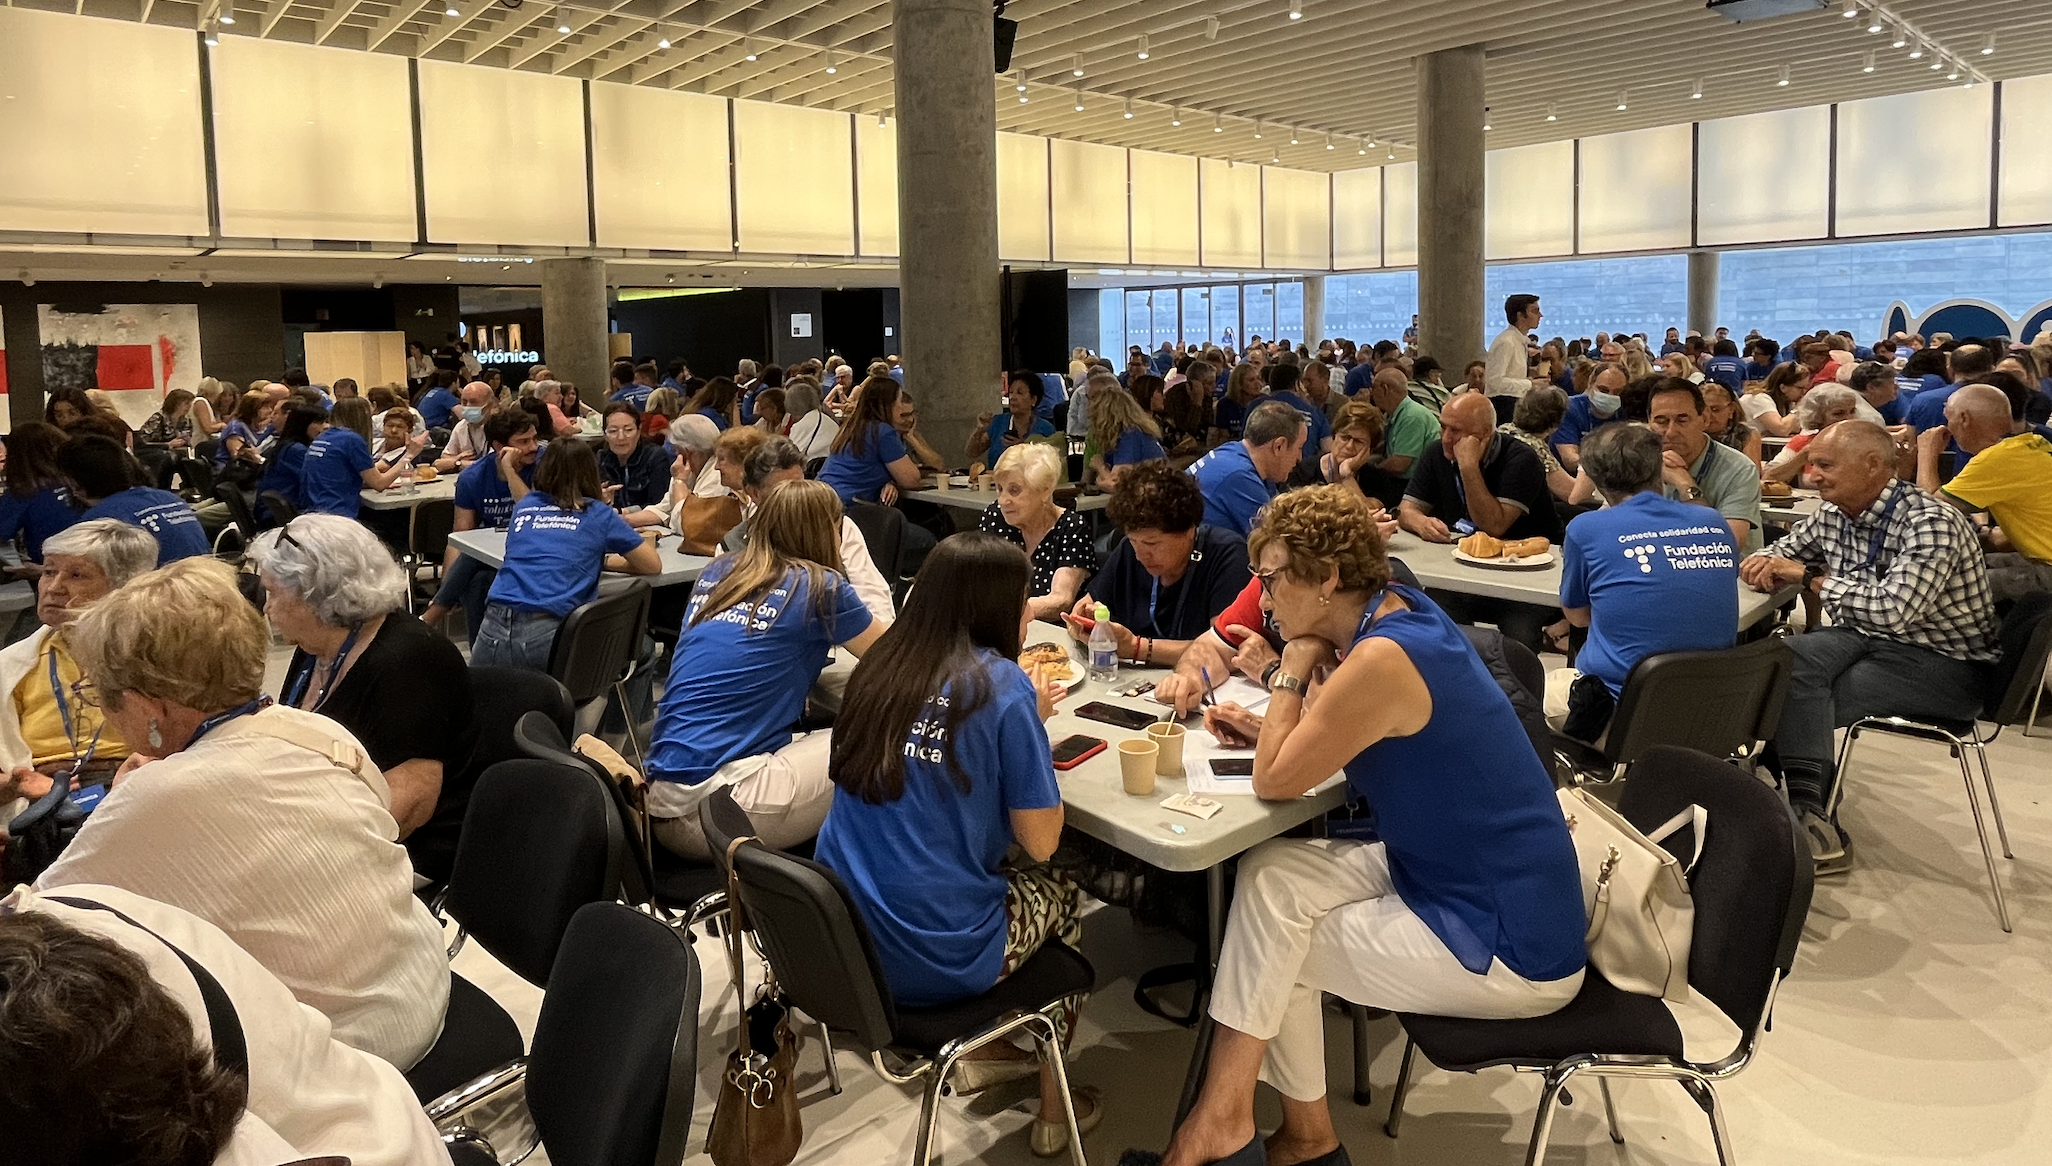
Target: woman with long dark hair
x: 869, y: 455
x: 283, y: 472
x: 940, y: 766
x: 37, y: 503
x: 719, y: 401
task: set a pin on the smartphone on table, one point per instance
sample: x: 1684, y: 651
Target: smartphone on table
x: 1072, y: 751
x: 1112, y: 714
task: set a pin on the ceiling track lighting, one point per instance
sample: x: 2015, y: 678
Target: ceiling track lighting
x: 1852, y: 8
x: 1874, y: 23
x: 227, y: 16
x: 1918, y: 52
x: 1937, y: 63
x: 1364, y: 148
x: 1901, y: 38
x: 1143, y: 46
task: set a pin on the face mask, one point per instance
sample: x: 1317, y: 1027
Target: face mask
x: 473, y: 413
x: 1605, y: 403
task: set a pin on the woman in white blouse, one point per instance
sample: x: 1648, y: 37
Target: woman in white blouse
x: 268, y: 822
x: 811, y: 429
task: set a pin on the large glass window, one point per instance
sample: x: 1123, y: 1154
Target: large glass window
x: 1257, y: 311
x: 1167, y: 317
x: 1225, y: 314
x: 1111, y: 320
x: 1197, y: 324
x: 1289, y: 312
x: 1139, y: 325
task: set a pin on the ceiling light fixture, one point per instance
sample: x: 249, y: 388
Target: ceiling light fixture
x: 662, y: 39
x: 1296, y: 9
x: 213, y: 33
x: 881, y: 121
x: 833, y: 66
x: 1988, y: 46
x: 1328, y: 140
x: 1257, y: 129
x: 1621, y: 103
x: 452, y: 10
x: 1552, y: 112
x: 1022, y: 97
x: 1143, y: 46
x: 1275, y: 155
x: 1129, y: 109
x: 1867, y: 64
x: 1079, y: 100
x: 752, y: 54
x: 1937, y: 63
x: 206, y: 280
x: 378, y: 280
x: 1176, y: 116
x: 1363, y: 149
x: 1918, y: 52
x: 227, y: 16
x: 1076, y: 64
x: 1392, y: 153
x: 1874, y: 23
x: 1217, y: 124
x: 1782, y: 80
x: 1954, y: 74
x: 1697, y: 93
x: 562, y: 25
x: 1852, y: 8
x: 1293, y: 135
x: 1901, y: 38
x: 1019, y: 80
x: 1211, y: 28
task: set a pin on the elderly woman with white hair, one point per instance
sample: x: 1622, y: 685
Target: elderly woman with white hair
x: 1057, y: 540
x: 334, y: 593
x: 812, y: 429
x: 267, y: 821
x: 1820, y: 408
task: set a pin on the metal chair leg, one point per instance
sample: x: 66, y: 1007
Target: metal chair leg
x: 826, y: 1042
x: 1610, y: 1111
x: 929, y: 1116
x: 1836, y: 790
x: 1994, y: 807
x: 1706, y: 1097
x: 1362, y: 1055
x: 1403, y: 1085
x: 1549, y: 1104
x: 1051, y: 1054
x: 1981, y: 829
x: 2037, y: 699
x: 627, y: 717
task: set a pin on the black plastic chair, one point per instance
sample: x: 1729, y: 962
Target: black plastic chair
x: 2014, y: 689
x: 427, y: 541
x: 812, y: 466
x: 278, y: 507
x: 499, y: 697
x: 613, y: 1073
x: 242, y: 518
x: 883, y: 529
x: 809, y: 929
x: 1721, y: 702
x: 598, y: 645
x: 1751, y: 889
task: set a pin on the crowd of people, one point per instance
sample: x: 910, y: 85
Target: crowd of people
x: 1260, y: 503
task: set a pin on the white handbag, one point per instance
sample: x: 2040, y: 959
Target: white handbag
x: 1641, y: 917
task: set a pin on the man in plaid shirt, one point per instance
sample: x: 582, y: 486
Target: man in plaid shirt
x: 1912, y: 628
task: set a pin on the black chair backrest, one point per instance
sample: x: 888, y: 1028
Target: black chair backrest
x: 613, y: 1071
x: 1752, y: 885
x: 812, y: 466
x: 2026, y: 645
x: 205, y: 449
x: 807, y: 926
x: 278, y: 507
x: 433, y: 520
x: 1710, y: 701
x: 538, y: 737
x: 1401, y: 572
x: 238, y: 509
x: 721, y: 819
x: 883, y: 529
x: 1522, y: 677
x: 537, y: 844
x: 500, y: 697
x: 600, y: 639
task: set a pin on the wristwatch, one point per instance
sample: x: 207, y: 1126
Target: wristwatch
x: 1693, y: 493
x: 1285, y: 682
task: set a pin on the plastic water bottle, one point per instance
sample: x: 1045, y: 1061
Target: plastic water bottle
x: 1104, y: 648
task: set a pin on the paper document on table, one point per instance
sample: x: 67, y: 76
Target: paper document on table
x: 1238, y: 690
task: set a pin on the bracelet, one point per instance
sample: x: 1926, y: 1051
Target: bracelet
x: 1268, y: 673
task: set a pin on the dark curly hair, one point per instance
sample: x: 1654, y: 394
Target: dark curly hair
x: 1156, y: 496
x: 99, y: 1063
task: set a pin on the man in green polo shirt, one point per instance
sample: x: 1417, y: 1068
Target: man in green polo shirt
x: 1699, y: 470
x: 1408, y: 427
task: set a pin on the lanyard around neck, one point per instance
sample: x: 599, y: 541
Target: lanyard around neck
x: 64, y: 714
x: 1880, y: 534
x: 305, y: 677
x: 219, y: 719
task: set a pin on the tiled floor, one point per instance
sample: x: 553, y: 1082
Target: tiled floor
x: 1913, y: 1030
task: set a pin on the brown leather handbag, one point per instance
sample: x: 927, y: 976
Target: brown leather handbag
x: 703, y: 522
x: 755, y: 1122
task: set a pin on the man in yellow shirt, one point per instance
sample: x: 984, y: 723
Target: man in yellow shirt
x: 2009, y: 478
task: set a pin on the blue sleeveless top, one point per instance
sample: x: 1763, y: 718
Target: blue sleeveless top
x: 1478, y: 848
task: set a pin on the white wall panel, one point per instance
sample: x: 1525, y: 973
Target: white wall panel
x: 2026, y: 182
x: 468, y: 114
x: 1763, y: 178
x: 1164, y: 208
x: 1357, y: 218
x: 876, y: 186
x: 1090, y: 213
x: 794, y: 179
x: 1400, y: 214
x: 1635, y: 190
x: 1022, y: 198
x: 99, y: 126
x: 1296, y: 218
x: 1530, y: 209
x: 312, y: 143
x: 1881, y: 191
x: 659, y: 169
x: 1231, y: 197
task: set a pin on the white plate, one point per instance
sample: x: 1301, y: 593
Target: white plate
x: 1506, y: 563
x: 1077, y: 670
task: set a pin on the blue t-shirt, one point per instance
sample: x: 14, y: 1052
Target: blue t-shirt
x: 44, y: 513
x: 332, y: 478
x: 1320, y: 427
x: 719, y: 419
x: 1056, y: 390
x: 1728, y: 371
x: 748, y: 397
x: 284, y: 472
x: 1234, y: 492
x: 1359, y: 378
x: 1001, y: 427
x: 1134, y: 445
x: 1657, y: 576
x: 1230, y: 416
x: 636, y: 394
x: 163, y: 514
x: 1894, y: 410
x: 233, y: 429
x: 1928, y: 410
x: 862, y: 476
x: 480, y: 490
x: 1579, y: 422
x: 554, y: 556
x: 740, y: 677
x: 925, y: 870
x: 435, y: 405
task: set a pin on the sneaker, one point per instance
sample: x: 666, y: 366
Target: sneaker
x: 1830, y: 848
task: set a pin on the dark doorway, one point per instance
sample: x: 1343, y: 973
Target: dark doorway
x: 852, y: 324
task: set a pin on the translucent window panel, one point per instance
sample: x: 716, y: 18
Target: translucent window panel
x: 1022, y: 197
x: 1231, y: 196
x: 794, y: 180
x: 312, y: 143
x: 1225, y: 313
x: 1164, y: 208
x: 2026, y: 182
x: 1090, y: 215
x: 1400, y: 215
x: 1296, y: 218
x: 876, y: 186
x: 467, y: 113
x: 1878, y: 194
x: 1289, y: 311
x: 1166, y: 308
x: 1257, y: 311
x: 1197, y: 327
x: 1530, y: 208
x: 99, y: 126
x: 1139, y: 324
x: 1765, y: 177
x: 679, y: 203
x: 1111, y: 320
x: 1357, y: 218
x: 1635, y: 190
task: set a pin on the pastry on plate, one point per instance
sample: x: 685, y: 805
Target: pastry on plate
x: 1773, y: 489
x: 1526, y: 548
x: 1481, y: 545
x: 1051, y: 660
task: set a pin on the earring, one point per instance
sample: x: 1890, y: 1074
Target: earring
x: 1325, y: 601
x: 156, y: 738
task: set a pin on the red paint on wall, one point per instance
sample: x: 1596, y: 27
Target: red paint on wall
x: 125, y: 366
x: 170, y: 353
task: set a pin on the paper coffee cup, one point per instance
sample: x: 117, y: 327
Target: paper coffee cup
x: 1168, y: 738
x: 1136, y: 765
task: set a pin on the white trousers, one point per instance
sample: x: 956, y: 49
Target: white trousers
x: 786, y: 799
x: 1322, y: 915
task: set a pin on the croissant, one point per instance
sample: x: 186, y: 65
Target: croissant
x: 1481, y: 545
x: 1527, y: 548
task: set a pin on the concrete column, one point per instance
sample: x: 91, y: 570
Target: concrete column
x: 947, y: 214
x: 1704, y: 267
x: 574, y: 323
x: 1450, y: 201
x: 1314, y: 311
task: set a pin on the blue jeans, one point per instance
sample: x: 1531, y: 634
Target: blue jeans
x: 511, y: 638
x: 1842, y: 675
x: 468, y: 584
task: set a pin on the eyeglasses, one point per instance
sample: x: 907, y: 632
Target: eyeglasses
x: 1266, y: 577
x: 83, y: 694
x: 620, y: 431
x: 285, y: 536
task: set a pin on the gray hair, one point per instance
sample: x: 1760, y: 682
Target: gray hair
x: 801, y: 396
x: 746, y: 369
x: 1623, y: 458
x: 694, y: 432
x: 115, y: 547
x: 543, y: 389
x: 1540, y: 410
x: 337, y: 567
x: 772, y: 456
x: 1270, y: 420
x: 1823, y: 398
